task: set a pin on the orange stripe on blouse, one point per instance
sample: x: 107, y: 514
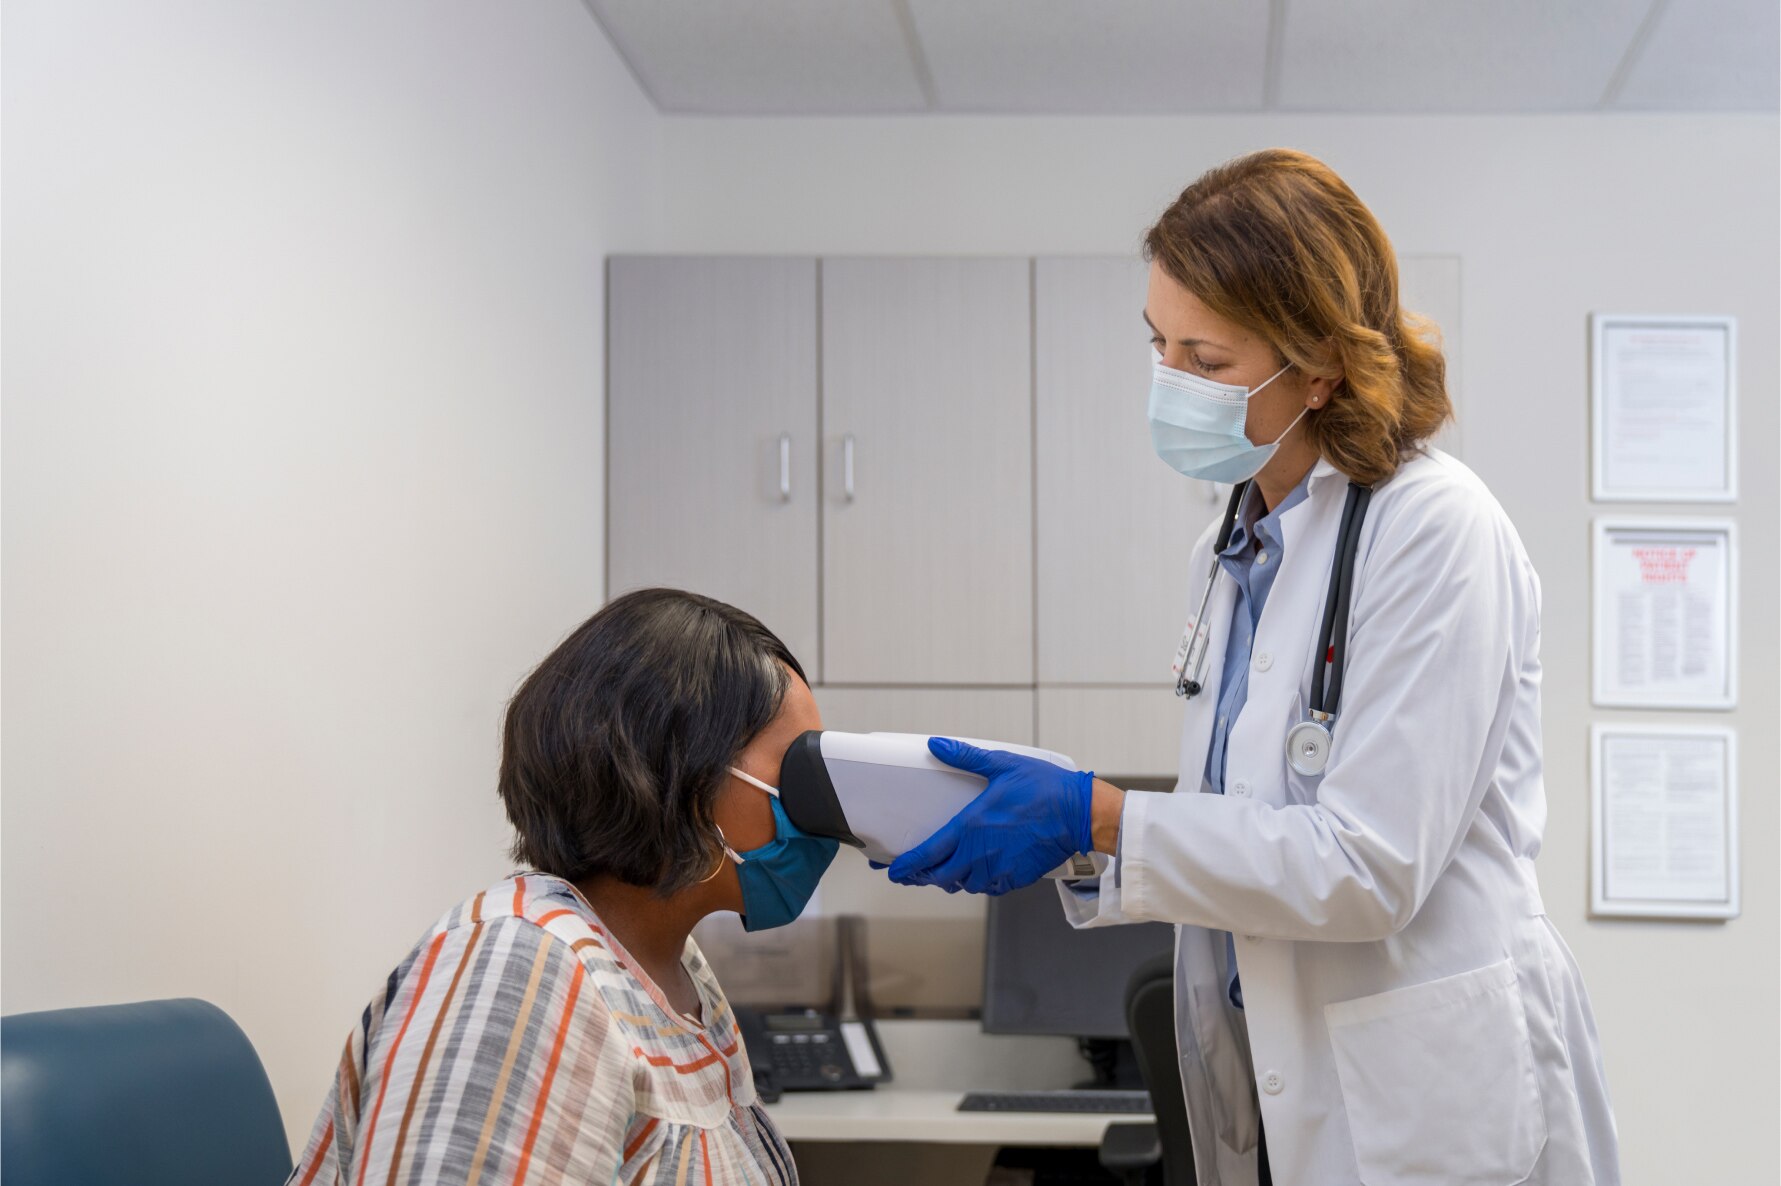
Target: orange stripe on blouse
x: 728, y: 1093
x: 642, y: 1136
x: 413, y: 1004
x: 420, y: 1073
x: 558, y: 913
x: 519, y: 897
x: 685, y: 1068
x: 705, y: 1157
x: 321, y: 1154
x: 550, y: 1073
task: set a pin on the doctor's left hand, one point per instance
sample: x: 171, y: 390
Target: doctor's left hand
x: 1030, y: 818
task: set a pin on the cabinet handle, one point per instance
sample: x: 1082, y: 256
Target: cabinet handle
x: 785, y: 467
x: 847, y: 466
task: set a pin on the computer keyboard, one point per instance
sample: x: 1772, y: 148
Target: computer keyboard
x: 1132, y: 1102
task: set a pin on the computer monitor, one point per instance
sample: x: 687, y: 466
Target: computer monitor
x: 1042, y: 976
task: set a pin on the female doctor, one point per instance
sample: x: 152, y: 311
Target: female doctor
x: 1364, y: 969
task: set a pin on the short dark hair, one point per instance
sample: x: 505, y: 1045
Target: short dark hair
x: 616, y: 744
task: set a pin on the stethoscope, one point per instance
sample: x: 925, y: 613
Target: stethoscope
x: 1308, y: 742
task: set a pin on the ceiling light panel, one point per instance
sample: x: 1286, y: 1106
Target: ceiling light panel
x: 767, y: 57
x: 1068, y: 56
x: 1416, y: 56
x: 1707, y: 55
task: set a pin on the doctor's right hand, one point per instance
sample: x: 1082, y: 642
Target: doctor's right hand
x: 1030, y: 819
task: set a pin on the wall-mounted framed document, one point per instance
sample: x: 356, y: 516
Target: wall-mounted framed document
x: 1664, y: 408
x: 1665, y: 613
x: 1664, y: 838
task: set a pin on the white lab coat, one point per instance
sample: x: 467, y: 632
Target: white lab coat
x: 1412, y: 1017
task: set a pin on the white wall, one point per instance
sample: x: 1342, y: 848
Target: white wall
x: 1553, y: 217
x: 302, y: 470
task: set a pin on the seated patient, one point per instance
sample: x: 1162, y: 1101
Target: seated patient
x: 561, y: 1025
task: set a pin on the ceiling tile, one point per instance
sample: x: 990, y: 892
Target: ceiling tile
x: 1415, y: 56
x: 766, y: 56
x: 1707, y: 55
x: 1067, y: 56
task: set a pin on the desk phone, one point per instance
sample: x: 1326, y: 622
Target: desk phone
x: 805, y: 1050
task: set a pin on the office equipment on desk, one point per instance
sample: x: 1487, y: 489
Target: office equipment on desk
x: 1093, y: 1100
x: 829, y: 1045
x: 1042, y: 976
x: 807, y: 1050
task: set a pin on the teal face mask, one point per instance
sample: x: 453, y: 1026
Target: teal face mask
x: 1196, y: 426
x: 779, y: 876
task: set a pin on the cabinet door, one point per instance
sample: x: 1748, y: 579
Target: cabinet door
x: 1115, y: 523
x: 711, y: 434
x: 927, y: 495
x: 990, y: 714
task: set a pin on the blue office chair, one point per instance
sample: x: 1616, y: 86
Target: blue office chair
x: 160, y: 1093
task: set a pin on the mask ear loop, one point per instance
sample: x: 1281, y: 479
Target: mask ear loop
x: 724, y: 840
x: 753, y: 781
x: 1254, y: 391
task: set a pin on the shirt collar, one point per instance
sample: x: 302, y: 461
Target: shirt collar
x: 1267, y: 524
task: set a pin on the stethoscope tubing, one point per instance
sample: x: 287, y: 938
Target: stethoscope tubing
x: 1189, y: 683
x: 1332, y: 643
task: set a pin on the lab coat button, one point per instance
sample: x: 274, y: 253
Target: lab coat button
x: 1264, y: 661
x: 1273, y: 1083
x: 1239, y: 787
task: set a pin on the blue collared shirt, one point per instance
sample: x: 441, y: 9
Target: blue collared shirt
x: 1252, y: 557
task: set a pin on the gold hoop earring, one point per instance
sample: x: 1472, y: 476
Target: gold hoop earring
x: 722, y: 844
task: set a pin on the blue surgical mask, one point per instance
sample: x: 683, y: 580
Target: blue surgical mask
x: 779, y: 876
x: 1196, y: 425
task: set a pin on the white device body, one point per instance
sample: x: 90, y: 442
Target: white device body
x: 896, y: 793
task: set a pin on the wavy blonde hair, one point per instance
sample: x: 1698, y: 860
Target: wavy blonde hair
x: 1279, y: 244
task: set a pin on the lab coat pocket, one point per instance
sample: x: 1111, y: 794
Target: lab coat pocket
x: 1439, y: 1081
x: 1223, y: 1043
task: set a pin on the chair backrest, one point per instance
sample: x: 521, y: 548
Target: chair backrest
x: 159, y: 1093
x: 1150, y: 1015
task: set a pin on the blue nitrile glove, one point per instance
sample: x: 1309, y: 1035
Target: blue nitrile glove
x: 1030, y: 818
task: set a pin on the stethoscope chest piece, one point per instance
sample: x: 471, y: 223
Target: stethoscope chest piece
x: 1308, y: 742
x: 1308, y: 748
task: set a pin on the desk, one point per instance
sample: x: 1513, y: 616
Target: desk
x: 896, y: 1114
x: 910, y: 1129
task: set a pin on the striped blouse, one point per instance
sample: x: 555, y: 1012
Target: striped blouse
x: 518, y: 1044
